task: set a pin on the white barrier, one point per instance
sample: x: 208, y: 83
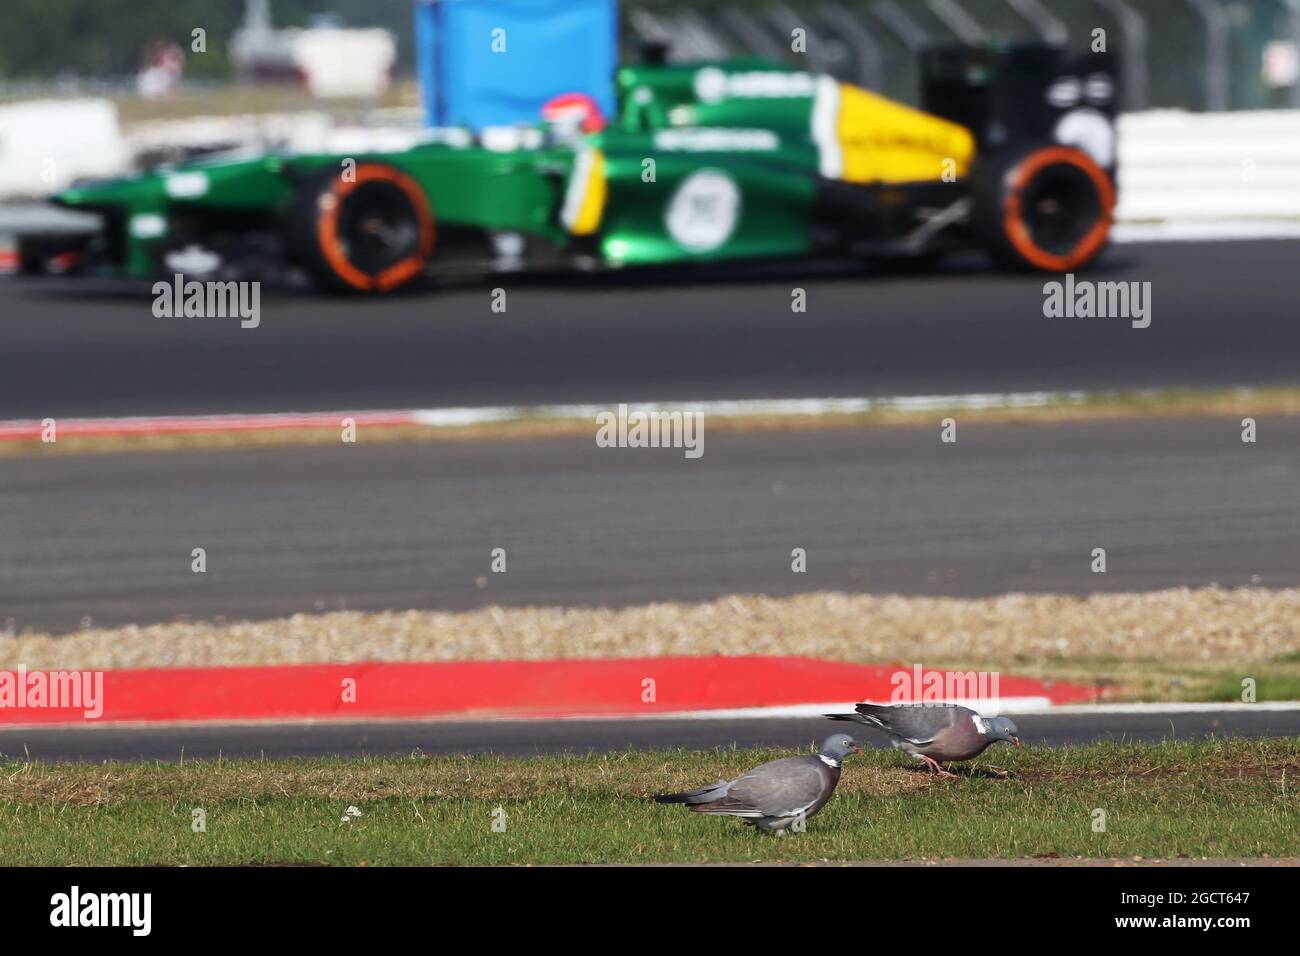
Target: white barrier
x: 311, y: 131
x: 296, y: 132
x: 1198, y: 169
x: 46, y: 144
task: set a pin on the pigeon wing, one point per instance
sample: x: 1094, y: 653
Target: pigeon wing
x: 781, y: 788
x: 915, y: 723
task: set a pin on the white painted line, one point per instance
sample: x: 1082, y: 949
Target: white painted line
x: 988, y: 707
x: 741, y: 408
x: 1037, y: 706
x: 26, y: 429
x: 1184, y: 231
x: 451, y: 417
x: 1007, y: 705
x: 1272, y: 706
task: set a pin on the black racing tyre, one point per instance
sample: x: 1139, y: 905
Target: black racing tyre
x: 368, y: 233
x: 1048, y: 207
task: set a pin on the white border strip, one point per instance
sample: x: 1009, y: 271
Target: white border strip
x: 452, y: 417
x: 1185, y: 231
x: 989, y: 707
x: 579, y: 183
x: 1006, y: 705
x: 825, y: 131
x: 1032, y: 705
x: 758, y: 407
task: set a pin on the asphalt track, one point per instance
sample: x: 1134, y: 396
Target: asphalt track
x: 1178, y: 502
x: 1224, y: 314
x: 525, y: 738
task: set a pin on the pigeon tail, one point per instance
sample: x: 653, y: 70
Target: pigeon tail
x: 700, y: 795
x: 873, y: 713
x: 671, y: 797
x: 866, y: 715
x: 872, y: 710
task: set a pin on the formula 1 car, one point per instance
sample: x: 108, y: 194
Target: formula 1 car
x: 1014, y: 153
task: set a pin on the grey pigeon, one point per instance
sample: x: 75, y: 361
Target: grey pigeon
x: 776, y: 794
x: 935, y: 732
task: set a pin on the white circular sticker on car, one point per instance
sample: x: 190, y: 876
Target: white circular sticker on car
x: 1088, y: 130
x: 704, y: 211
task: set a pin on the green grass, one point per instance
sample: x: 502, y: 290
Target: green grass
x: 1217, y: 799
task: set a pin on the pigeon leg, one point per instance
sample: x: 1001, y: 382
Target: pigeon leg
x: 934, y: 765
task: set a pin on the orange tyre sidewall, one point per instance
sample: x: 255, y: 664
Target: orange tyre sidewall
x: 328, y: 206
x: 1016, y: 230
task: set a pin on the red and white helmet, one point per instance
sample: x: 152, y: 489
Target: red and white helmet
x: 574, y: 109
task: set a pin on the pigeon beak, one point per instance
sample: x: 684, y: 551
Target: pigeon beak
x: 857, y: 750
x: 1016, y: 740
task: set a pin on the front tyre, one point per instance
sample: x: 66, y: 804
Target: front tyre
x: 368, y: 233
x: 1048, y: 208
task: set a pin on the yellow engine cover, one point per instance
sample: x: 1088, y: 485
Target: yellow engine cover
x: 878, y: 140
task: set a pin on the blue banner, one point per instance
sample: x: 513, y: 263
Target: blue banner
x: 495, y: 62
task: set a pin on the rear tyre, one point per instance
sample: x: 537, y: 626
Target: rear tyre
x: 1048, y: 208
x: 372, y: 233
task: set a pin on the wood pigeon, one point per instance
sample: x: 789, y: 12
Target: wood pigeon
x: 935, y: 732
x: 774, y: 795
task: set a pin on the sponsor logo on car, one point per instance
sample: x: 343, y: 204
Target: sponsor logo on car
x: 710, y: 140
x: 713, y: 84
x: 703, y: 211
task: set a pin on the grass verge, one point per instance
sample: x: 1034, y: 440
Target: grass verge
x: 1226, y: 798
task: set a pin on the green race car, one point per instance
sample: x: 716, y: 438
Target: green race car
x: 1014, y: 154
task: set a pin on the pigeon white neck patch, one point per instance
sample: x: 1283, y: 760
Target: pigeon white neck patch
x: 829, y: 761
x: 982, y: 727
